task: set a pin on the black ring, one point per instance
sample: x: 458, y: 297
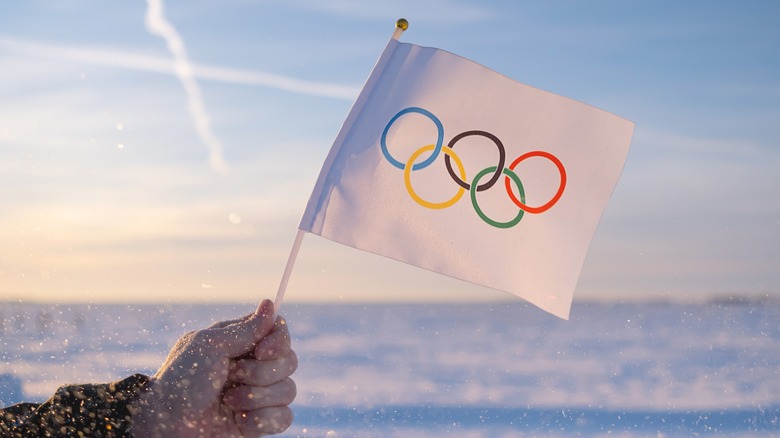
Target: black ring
x: 499, y: 168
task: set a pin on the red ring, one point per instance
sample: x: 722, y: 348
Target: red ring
x: 551, y: 202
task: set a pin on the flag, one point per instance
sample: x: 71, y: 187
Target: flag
x: 449, y: 166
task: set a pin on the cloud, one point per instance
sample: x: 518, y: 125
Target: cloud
x: 109, y: 57
x: 159, y: 227
x: 276, y: 81
x: 157, y: 24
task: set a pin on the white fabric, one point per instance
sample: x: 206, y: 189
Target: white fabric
x: 361, y: 199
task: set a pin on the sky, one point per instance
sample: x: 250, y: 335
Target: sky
x: 165, y: 151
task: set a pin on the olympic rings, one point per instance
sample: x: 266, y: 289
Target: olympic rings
x: 436, y: 150
x: 510, y: 176
x: 408, y: 178
x: 501, y: 159
x: 561, y: 186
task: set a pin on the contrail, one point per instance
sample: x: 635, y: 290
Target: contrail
x: 157, y: 24
x: 155, y: 64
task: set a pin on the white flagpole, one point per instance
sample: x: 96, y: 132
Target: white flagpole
x: 400, y: 26
x: 288, y: 270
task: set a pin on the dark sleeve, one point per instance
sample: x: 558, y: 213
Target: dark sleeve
x: 91, y: 410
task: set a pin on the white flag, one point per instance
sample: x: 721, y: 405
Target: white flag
x: 449, y: 166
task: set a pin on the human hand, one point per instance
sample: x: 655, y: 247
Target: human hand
x: 229, y: 380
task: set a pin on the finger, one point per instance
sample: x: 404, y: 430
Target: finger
x: 264, y: 421
x: 249, y: 397
x: 265, y: 372
x: 221, y: 324
x: 276, y: 344
x: 239, y: 338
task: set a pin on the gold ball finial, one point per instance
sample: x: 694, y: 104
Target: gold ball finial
x: 402, y: 24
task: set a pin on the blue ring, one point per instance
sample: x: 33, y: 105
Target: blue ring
x: 436, y: 149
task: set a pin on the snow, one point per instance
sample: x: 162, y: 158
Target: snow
x: 471, y: 370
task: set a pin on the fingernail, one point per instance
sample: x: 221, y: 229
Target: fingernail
x: 266, y: 308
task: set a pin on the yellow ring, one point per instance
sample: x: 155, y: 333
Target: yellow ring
x: 408, y: 177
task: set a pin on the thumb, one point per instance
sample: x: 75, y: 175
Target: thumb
x: 240, y: 337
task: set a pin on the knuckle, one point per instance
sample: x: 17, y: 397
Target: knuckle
x: 200, y: 337
x: 266, y: 421
x: 291, y: 390
x: 293, y: 362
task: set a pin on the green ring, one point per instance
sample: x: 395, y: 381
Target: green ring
x: 479, y: 211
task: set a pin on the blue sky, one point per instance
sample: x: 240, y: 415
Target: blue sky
x: 109, y: 194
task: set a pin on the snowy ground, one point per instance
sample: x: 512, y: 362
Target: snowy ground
x: 485, y: 370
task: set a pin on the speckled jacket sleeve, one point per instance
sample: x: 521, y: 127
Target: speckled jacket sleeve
x: 90, y: 410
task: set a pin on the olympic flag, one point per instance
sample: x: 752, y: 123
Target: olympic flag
x: 449, y: 166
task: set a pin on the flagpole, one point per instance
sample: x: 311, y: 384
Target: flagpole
x: 400, y: 26
x: 288, y: 270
